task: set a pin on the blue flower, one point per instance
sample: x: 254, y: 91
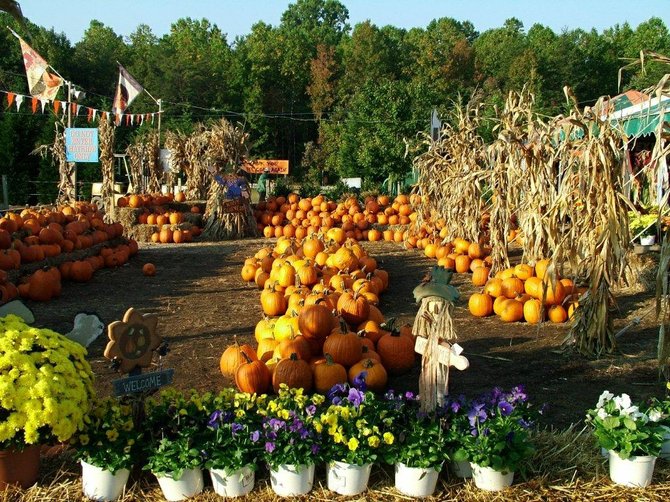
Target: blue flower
x: 315, y: 449
x: 235, y: 428
x: 518, y: 394
x: 476, y: 414
x: 255, y: 436
x: 269, y: 447
x: 214, y: 419
x: 356, y: 397
x: 311, y: 410
x: 336, y: 390
x: 359, y: 382
x: 505, y: 408
x: 409, y: 396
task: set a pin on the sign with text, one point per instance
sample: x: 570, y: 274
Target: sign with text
x: 143, y: 382
x: 234, y: 206
x: 81, y: 144
x: 274, y: 166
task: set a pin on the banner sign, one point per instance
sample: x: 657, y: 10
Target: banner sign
x: 274, y: 166
x: 234, y: 206
x: 81, y: 144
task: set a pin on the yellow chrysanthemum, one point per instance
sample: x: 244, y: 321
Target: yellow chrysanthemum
x: 373, y: 441
x: 388, y: 438
x: 353, y: 444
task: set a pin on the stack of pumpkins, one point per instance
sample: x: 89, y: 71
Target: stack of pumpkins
x: 526, y: 293
x: 293, y: 216
x: 321, y: 325
x: 33, y: 236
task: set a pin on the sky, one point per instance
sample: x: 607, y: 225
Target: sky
x: 235, y: 17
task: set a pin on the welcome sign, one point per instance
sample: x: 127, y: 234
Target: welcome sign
x: 81, y: 144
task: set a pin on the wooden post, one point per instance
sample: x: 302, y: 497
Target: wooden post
x: 5, y: 192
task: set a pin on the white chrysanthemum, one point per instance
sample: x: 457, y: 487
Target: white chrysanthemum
x: 604, y: 397
x: 622, y: 402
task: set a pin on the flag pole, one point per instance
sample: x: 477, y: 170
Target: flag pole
x: 159, y: 102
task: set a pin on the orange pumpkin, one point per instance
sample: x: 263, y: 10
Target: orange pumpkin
x: 480, y: 305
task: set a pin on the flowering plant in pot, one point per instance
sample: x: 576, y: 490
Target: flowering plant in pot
x: 355, y: 433
x: 632, y: 434
x: 232, y: 441
x: 498, y: 441
x: 106, y: 446
x: 417, y: 445
x: 455, y: 410
x: 176, y: 425
x: 291, y: 443
x: 46, y: 388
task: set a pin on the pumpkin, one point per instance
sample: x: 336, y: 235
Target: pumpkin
x: 511, y: 310
x: 253, y: 376
x: 541, y: 268
x: 371, y: 330
x: 248, y: 272
x: 293, y: 345
x: 266, y: 348
x: 462, y: 263
x: 81, y: 271
x: 552, y: 294
x: 512, y: 287
x: 480, y: 276
x: 234, y: 356
x: 557, y: 314
x: 396, y: 352
x: 344, y: 346
x: 264, y: 329
x: 273, y: 302
x: 532, y: 311
x: 376, y: 377
x: 523, y: 271
x: 149, y: 269
x: 354, y: 308
x: 316, y: 321
x: 294, y: 372
x: 480, y: 305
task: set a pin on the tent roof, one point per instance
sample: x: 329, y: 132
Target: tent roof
x: 642, y: 118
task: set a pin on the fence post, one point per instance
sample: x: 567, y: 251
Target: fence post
x: 5, y: 192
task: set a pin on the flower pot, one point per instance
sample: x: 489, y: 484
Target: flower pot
x: 101, y: 484
x: 233, y: 484
x: 348, y: 479
x: 648, y: 240
x: 20, y: 468
x: 487, y: 478
x: 189, y: 484
x: 633, y: 471
x: 665, y: 449
x: 416, y: 481
x: 292, y: 480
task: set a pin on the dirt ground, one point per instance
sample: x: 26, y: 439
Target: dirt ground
x: 203, y: 303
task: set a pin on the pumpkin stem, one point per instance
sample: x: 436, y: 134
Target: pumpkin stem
x: 293, y: 356
x: 368, y: 363
x: 343, y: 326
x: 329, y: 359
x: 244, y: 354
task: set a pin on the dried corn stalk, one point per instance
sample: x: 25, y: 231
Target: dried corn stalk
x: 106, y: 134
x: 175, y: 142
x: 197, y: 177
x: 596, y: 239
x: 152, y: 159
x: 65, y: 169
x: 450, y: 172
x: 135, y: 152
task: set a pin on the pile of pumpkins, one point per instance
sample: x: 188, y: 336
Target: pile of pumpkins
x: 293, y: 216
x: 135, y: 201
x: 526, y: 293
x: 33, y: 236
x: 321, y: 324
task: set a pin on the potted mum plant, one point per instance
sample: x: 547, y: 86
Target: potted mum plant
x: 291, y: 444
x: 353, y: 429
x: 417, y: 446
x: 632, y: 434
x: 498, y: 440
x: 106, y: 448
x: 232, y: 442
x: 46, y: 388
x: 176, y: 425
x: 458, y: 426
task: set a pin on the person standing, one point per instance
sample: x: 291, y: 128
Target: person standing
x: 263, y: 184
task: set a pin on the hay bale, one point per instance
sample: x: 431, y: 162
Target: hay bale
x: 128, y: 216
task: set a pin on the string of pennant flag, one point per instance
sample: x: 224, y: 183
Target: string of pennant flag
x: 17, y: 100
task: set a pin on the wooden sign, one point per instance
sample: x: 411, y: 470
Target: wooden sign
x: 234, y: 206
x: 274, y: 166
x: 143, y: 382
x: 447, y: 354
x: 132, y: 341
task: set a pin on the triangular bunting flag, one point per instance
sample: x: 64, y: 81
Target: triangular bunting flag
x: 128, y: 117
x: 19, y: 101
x: 56, y: 106
x: 78, y: 107
x: 141, y: 117
x: 10, y: 98
x: 63, y: 107
x: 33, y: 104
x: 89, y: 114
x: 43, y: 102
x: 95, y: 112
x: 152, y: 118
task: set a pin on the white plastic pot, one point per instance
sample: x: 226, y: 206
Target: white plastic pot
x: 632, y: 472
x: 189, y: 484
x: 292, y: 480
x: 100, y: 484
x: 233, y: 484
x: 347, y: 479
x: 416, y: 481
x: 487, y: 478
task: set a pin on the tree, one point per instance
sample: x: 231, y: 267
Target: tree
x: 496, y: 50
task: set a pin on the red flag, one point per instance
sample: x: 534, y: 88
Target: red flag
x: 56, y: 106
x: 126, y: 91
x: 10, y: 98
x: 34, y: 104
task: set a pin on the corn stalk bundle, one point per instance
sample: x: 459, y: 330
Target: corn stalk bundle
x: 197, y: 177
x: 175, y: 142
x: 227, y: 149
x: 152, y: 159
x: 508, y: 158
x: 106, y: 134
x: 65, y: 169
x: 135, y: 152
x: 596, y: 241
x: 449, y: 174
